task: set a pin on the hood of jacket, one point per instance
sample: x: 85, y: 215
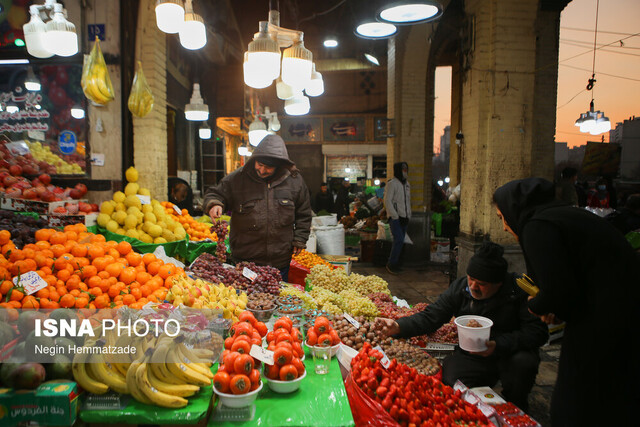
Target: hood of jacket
x: 271, y: 146
x: 517, y: 200
x: 397, y: 171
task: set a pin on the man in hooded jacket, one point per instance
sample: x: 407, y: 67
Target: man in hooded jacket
x: 269, y: 204
x: 397, y: 202
x: 588, y: 276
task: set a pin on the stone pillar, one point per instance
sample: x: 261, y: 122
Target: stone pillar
x: 454, y: 149
x: 508, y: 111
x: 150, y: 132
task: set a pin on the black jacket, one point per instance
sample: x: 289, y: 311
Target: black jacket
x: 514, y: 328
x: 324, y: 201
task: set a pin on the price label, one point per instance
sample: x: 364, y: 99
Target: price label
x: 262, y: 354
x: 145, y: 200
x: 385, y: 360
x: 177, y: 209
x: 31, y: 282
x: 249, y: 274
x: 351, y: 320
x: 18, y: 148
x: 36, y: 134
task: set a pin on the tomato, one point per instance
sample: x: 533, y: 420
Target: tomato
x: 298, y: 364
x: 221, y: 381
x: 282, y: 356
x: 288, y: 373
x: 241, y: 328
x: 257, y: 341
x: 254, y: 376
x: 273, y: 372
x: 297, y: 349
x: 242, y: 347
x: 282, y: 323
x: 312, y: 337
x: 296, y: 334
x: 240, y: 384
x: 247, y: 316
x: 324, y: 340
x: 243, y: 364
x: 256, y: 335
x: 271, y: 346
x: 322, y: 325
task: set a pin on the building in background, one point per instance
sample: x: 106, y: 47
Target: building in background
x: 627, y: 134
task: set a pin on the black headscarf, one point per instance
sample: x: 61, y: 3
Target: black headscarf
x: 397, y: 171
x: 518, y: 199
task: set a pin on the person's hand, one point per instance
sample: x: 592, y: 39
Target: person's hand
x: 549, y: 318
x: 296, y: 250
x: 387, y: 327
x: 491, y: 347
x: 215, y: 212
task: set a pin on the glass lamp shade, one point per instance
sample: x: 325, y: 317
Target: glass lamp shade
x: 601, y: 125
x: 297, y: 105
x: 315, y: 87
x: 297, y: 63
x: 375, y: 30
x: 253, y: 75
x: 193, y: 33
x: 204, y: 132
x: 587, y: 124
x: 169, y: 15
x: 410, y: 12
x: 61, y: 37
x: 34, y: 35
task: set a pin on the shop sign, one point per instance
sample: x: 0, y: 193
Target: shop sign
x: 67, y: 142
x: 29, y: 117
x: 95, y: 30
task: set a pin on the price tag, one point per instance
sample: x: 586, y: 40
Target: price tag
x: 18, y: 148
x: 36, y: 134
x: 385, y: 360
x: 262, y: 354
x: 177, y: 209
x: 249, y: 274
x: 31, y: 282
x: 145, y: 200
x: 351, y: 320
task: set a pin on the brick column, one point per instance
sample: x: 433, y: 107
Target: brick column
x: 150, y: 132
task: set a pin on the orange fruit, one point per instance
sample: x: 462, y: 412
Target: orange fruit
x: 114, y: 269
x: 133, y: 259
x: 128, y: 275
x: 128, y: 299
x: 154, y: 267
x: 58, y: 238
x: 58, y: 250
x: 148, y: 258
x: 124, y: 247
x: 95, y: 251
x: 5, y: 236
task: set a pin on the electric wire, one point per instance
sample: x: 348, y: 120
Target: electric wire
x: 572, y: 98
x: 591, y: 31
x: 601, y: 73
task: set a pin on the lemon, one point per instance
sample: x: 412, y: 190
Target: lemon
x: 132, y: 233
x: 158, y: 240
x: 131, y: 174
x: 149, y: 216
x: 120, y: 231
x: 119, y: 197
x: 154, y: 230
x: 144, y: 192
x: 119, y: 217
x: 144, y: 237
x: 107, y: 208
x: 103, y: 219
x: 112, y: 226
x: 162, y: 224
x: 133, y: 201
x: 147, y: 208
x: 120, y: 207
x: 131, y: 221
x: 131, y: 189
x: 168, y: 236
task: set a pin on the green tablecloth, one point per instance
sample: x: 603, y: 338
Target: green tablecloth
x: 321, y: 400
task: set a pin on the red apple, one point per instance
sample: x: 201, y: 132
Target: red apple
x: 47, y: 196
x: 15, y: 170
x: 75, y: 194
x: 45, y: 179
x: 82, y: 188
x: 29, y: 169
x: 13, y: 193
x: 29, y: 194
x: 8, y: 181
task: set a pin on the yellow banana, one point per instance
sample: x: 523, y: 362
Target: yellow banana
x: 133, y: 385
x: 101, y: 77
x: 107, y: 374
x: 92, y: 92
x: 192, y: 361
x: 158, y: 366
x: 184, y: 372
x: 154, y: 395
x: 82, y: 377
x: 204, y: 354
x: 182, y: 390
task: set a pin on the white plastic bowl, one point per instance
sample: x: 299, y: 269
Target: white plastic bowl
x: 334, y: 349
x: 238, y: 400
x: 284, y: 387
x: 473, y: 339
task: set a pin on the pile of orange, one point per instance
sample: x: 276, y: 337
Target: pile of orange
x: 309, y: 259
x: 197, y: 231
x: 82, y: 269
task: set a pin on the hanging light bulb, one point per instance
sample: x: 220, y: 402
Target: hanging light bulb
x: 205, y: 131
x: 375, y: 30
x: 410, y: 12
x: 257, y: 132
x: 196, y: 110
x: 274, y: 123
x: 298, y: 105
x: 297, y: 62
x: 61, y: 37
x: 77, y: 112
x: 315, y: 87
x: 11, y: 107
x: 372, y: 59
x: 243, y: 151
x: 330, y: 42
x: 376, y: 182
x: 284, y: 91
x: 193, y: 33
x: 262, y: 59
x: 169, y: 15
x: 31, y: 82
x: 34, y: 35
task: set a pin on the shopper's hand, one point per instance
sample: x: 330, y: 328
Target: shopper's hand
x: 387, y: 327
x: 296, y: 250
x: 215, y: 212
x: 491, y: 347
x: 549, y: 318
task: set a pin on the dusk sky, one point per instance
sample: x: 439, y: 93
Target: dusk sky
x: 617, y: 90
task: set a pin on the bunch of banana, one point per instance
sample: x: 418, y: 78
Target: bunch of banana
x: 141, y: 99
x: 97, y: 87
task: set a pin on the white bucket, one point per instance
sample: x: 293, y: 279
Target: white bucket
x: 470, y: 338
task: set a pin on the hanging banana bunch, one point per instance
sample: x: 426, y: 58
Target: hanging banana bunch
x: 141, y: 99
x: 95, y: 82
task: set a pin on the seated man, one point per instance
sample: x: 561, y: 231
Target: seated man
x: 516, y: 335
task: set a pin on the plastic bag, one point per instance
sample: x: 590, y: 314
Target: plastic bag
x: 95, y: 81
x: 366, y: 411
x: 141, y: 99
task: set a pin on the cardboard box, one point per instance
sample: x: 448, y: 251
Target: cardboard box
x: 53, y: 403
x: 22, y: 205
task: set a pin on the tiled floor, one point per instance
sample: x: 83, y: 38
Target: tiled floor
x: 425, y: 284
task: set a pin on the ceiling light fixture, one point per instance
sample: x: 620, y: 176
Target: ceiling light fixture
x: 13, y: 61
x: 372, y: 59
x: 243, y: 151
x: 263, y: 63
x: 315, y: 87
x: 298, y: 105
x: 331, y: 42
x: 61, y: 37
x: 193, y: 33
x: 169, y: 15
x: 31, y: 82
x: 196, y: 110
x: 410, y: 12
x: 375, y: 30
x: 257, y: 132
x: 77, y: 112
x: 205, y: 131
x: 11, y: 107
x: 34, y: 34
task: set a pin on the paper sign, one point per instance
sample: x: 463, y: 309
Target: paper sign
x: 18, y: 148
x: 177, y: 209
x: 31, y: 282
x: 36, y: 134
x: 249, y: 274
x: 97, y: 159
x: 145, y: 200
x: 262, y: 354
x: 351, y: 320
x: 385, y: 360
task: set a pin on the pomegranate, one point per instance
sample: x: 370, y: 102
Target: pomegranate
x: 15, y: 170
